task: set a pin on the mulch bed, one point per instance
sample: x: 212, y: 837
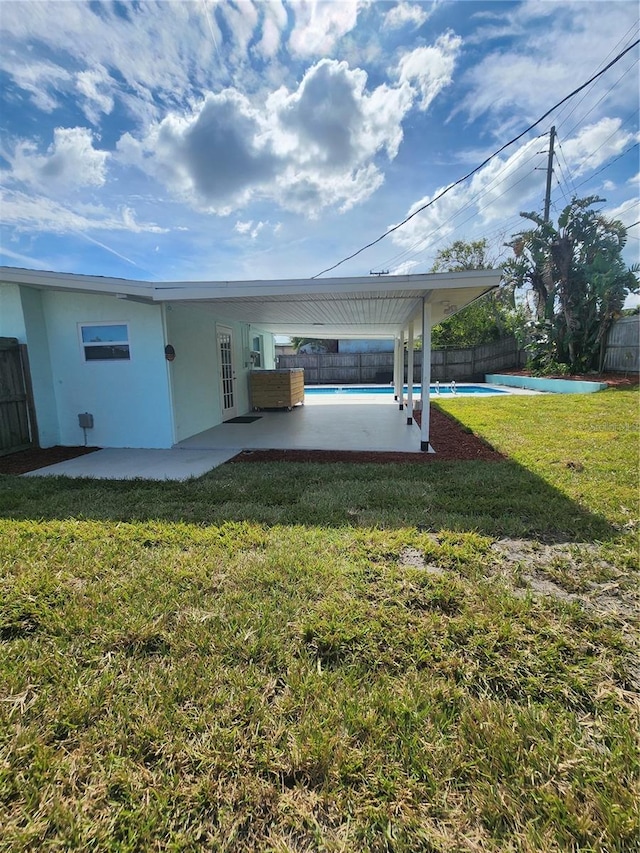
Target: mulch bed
x: 450, y: 440
x: 38, y: 457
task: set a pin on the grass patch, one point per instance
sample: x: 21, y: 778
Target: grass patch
x: 231, y: 664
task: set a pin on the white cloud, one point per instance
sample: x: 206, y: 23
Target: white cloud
x: 595, y: 144
x: 250, y: 228
x: 529, y: 81
x: 70, y: 162
x: 320, y: 24
x: 96, y: 86
x: 505, y: 187
x: 38, y: 213
x: 305, y: 149
x: 158, y: 52
x: 242, y: 19
x: 41, y: 79
x: 273, y: 25
x: 430, y: 69
x: 404, y: 14
x: 405, y: 268
x: 214, y: 158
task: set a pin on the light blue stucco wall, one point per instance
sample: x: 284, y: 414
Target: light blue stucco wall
x: 40, y: 367
x: 144, y: 402
x: 21, y: 317
x: 11, y: 313
x: 195, y: 372
x: 129, y: 399
x: 269, y: 344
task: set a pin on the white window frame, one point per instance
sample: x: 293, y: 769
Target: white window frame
x: 84, y: 344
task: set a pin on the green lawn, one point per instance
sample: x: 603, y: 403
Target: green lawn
x: 289, y: 657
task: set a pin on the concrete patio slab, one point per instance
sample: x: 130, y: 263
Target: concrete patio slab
x: 321, y: 424
x: 133, y: 463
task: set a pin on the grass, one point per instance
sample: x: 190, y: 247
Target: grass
x: 332, y: 657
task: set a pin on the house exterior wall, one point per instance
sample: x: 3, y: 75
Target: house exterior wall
x: 195, y: 372
x: 22, y: 317
x: 145, y: 401
x: 11, y: 313
x: 129, y: 399
x: 40, y: 367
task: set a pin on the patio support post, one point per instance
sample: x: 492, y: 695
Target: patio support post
x: 410, y: 374
x: 426, y: 374
x: 396, y: 367
x: 401, y: 372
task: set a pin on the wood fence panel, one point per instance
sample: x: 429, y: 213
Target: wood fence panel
x: 15, y: 432
x: 463, y: 365
x: 623, y: 346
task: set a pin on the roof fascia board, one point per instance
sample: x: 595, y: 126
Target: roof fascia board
x: 421, y: 284
x: 74, y: 282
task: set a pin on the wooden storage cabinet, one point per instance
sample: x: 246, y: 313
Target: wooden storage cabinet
x: 277, y: 389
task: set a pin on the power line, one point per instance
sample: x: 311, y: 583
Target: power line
x: 570, y: 176
x: 609, y: 90
x: 473, y: 200
x: 576, y: 105
x: 560, y: 121
x: 484, y: 163
x: 619, y: 157
x: 464, y: 221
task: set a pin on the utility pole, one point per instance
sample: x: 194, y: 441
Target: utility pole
x: 547, y: 196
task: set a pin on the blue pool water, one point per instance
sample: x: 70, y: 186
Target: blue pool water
x: 445, y: 390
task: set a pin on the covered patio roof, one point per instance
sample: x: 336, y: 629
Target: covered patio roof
x: 347, y: 307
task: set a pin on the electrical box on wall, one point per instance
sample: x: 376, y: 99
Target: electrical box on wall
x: 85, y: 420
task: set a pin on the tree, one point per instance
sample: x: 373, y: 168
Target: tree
x: 460, y: 256
x: 314, y: 344
x: 578, y: 280
x: 487, y: 319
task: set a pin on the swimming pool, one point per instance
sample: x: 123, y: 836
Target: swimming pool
x: 443, y: 390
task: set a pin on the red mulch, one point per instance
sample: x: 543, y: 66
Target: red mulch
x: 39, y: 457
x: 450, y: 440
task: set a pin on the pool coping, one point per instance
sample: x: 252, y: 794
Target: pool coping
x: 542, y: 383
x: 492, y: 390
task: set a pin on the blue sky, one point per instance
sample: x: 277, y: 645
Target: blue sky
x: 243, y: 140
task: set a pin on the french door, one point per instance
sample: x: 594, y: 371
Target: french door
x: 227, y: 372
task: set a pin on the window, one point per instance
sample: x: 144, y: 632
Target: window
x: 105, y: 341
x: 256, y: 351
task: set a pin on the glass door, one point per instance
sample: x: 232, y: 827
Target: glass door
x: 227, y: 373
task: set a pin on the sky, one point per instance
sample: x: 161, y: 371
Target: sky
x: 237, y: 139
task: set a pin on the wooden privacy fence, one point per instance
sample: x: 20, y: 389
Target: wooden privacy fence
x: 463, y: 365
x: 623, y: 346
x: 17, y: 414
